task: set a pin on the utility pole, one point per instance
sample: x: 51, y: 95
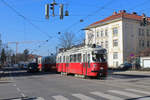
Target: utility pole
x: 22, y: 42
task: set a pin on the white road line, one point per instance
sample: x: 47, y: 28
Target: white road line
x: 83, y: 97
x: 14, y: 85
x: 39, y: 98
x: 106, y: 96
x: 138, y: 91
x: 60, y: 97
x: 132, y: 95
x: 23, y: 95
x: 18, y: 89
x: 16, y: 99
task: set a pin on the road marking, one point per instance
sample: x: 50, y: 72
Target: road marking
x: 132, y: 95
x: 83, y: 97
x: 18, y: 89
x: 16, y: 99
x: 39, y: 98
x: 139, y: 91
x: 23, y: 95
x: 106, y: 96
x: 14, y: 85
x: 60, y: 97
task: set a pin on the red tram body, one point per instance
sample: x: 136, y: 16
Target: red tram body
x: 87, y: 61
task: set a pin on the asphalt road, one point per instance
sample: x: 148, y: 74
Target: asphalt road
x: 17, y: 84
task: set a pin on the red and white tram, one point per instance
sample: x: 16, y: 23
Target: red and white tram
x: 87, y: 61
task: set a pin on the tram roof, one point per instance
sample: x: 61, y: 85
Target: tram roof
x: 78, y: 49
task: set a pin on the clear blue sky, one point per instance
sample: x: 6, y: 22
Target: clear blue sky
x: 15, y: 28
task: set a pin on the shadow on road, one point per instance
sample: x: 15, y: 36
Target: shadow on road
x: 17, y: 72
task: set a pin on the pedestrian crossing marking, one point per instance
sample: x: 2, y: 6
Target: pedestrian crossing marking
x: 106, y: 96
x: 83, y: 97
x: 138, y: 91
x: 132, y: 95
x: 60, y: 97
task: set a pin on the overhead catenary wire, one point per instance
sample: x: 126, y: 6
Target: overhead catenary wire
x: 89, y: 15
x: 25, y: 18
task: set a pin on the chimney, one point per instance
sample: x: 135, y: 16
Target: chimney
x: 124, y: 11
x: 114, y: 13
x: 134, y: 13
x: 143, y: 15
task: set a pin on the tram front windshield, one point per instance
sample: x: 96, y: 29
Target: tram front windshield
x: 99, y: 57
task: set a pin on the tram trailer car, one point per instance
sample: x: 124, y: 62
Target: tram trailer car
x: 49, y: 64
x: 86, y: 60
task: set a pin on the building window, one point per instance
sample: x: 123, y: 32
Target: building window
x: 106, y: 32
x: 97, y: 33
x: 115, y: 31
x: 102, y: 44
x: 148, y: 32
x: 143, y: 32
x: 115, y: 43
x: 142, y: 43
x: 106, y: 44
x: 115, y: 55
x: 148, y: 45
x: 102, y: 33
x: 140, y: 31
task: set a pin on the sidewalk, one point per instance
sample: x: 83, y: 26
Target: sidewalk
x: 132, y: 73
x: 3, y: 77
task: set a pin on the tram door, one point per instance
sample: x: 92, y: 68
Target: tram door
x: 86, y: 63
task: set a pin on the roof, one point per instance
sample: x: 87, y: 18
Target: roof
x: 121, y: 14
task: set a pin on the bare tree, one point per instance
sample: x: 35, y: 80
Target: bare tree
x: 67, y: 39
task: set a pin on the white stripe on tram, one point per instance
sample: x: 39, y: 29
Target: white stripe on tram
x: 60, y: 97
x: 138, y: 91
x: 106, y: 96
x: 82, y: 97
x: 132, y: 95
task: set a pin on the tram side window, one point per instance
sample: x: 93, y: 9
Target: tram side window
x: 71, y: 58
x: 83, y: 57
x: 79, y: 57
x: 74, y: 58
x: 63, y: 59
x: 88, y: 57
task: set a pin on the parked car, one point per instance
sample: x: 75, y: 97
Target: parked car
x: 125, y: 66
x: 32, y: 67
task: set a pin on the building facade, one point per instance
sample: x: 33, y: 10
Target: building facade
x: 122, y: 34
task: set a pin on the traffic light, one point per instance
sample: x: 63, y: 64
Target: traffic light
x: 66, y: 13
x: 61, y: 11
x: 47, y: 11
x: 52, y: 8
